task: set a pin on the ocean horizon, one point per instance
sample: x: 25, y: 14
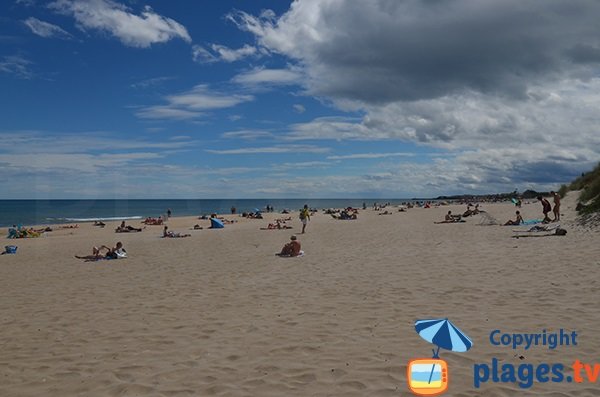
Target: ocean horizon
x: 41, y: 212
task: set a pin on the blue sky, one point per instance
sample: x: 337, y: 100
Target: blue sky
x: 332, y: 98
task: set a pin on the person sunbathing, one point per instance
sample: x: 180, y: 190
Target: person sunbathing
x: 516, y: 222
x: 117, y: 252
x: 292, y: 248
x: 276, y: 226
x: 99, y: 223
x: 153, y: 221
x: 127, y: 228
x: 169, y: 234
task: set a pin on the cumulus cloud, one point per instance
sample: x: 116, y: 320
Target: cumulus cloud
x: 192, y: 104
x: 46, y: 29
x: 118, y: 20
x: 379, y: 51
x: 464, y: 76
x: 222, y: 53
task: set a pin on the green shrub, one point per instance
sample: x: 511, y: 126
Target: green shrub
x: 562, y: 192
x: 589, y: 183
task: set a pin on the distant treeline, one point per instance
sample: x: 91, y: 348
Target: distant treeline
x: 527, y: 194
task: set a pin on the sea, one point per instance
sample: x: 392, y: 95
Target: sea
x: 41, y: 212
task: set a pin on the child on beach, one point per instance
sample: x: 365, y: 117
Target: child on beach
x: 517, y: 221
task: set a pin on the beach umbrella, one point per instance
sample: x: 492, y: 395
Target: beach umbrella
x: 442, y: 333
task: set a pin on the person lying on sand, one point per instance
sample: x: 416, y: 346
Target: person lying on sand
x: 168, y: 234
x: 75, y: 226
x: 276, y: 226
x: 386, y: 212
x: 127, y: 228
x: 99, y: 223
x: 153, y: 221
x: 292, y: 248
x: 516, y: 222
x: 117, y: 252
x: 198, y: 227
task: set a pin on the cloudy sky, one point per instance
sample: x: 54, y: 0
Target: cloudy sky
x: 310, y: 98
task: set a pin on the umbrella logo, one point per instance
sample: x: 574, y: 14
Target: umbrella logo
x: 429, y: 376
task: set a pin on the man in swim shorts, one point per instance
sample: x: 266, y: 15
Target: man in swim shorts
x: 556, y: 209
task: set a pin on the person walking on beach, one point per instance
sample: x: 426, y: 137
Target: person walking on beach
x: 556, y: 209
x: 546, y: 208
x: 304, y: 217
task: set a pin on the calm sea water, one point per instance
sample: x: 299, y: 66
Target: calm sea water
x: 39, y: 212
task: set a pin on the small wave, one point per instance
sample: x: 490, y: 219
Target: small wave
x: 113, y: 218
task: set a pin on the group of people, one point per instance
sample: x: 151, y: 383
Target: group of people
x: 547, y: 207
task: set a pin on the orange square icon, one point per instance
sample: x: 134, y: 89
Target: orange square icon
x: 427, y: 376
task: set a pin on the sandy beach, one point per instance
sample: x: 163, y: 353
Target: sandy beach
x: 218, y: 314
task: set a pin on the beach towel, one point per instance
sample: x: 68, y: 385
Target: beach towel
x: 216, y: 223
x: 538, y: 228
x: 532, y: 221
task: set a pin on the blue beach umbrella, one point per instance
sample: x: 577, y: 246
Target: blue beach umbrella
x: 442, y: 333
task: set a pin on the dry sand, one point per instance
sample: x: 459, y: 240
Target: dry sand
x: 219, y: 314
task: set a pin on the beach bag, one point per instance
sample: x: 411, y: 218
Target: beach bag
x: 10, y: 249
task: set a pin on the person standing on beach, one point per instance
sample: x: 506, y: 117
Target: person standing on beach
x: 556, y: 209
x: 168, y: 213
x: 546, y: 208
x: 304, y: 217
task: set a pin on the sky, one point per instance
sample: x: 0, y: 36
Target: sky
x: 305, y: 98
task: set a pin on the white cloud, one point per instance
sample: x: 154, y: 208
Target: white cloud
x: 298, y: 108
x: 370, y: 156
x: 222, y: 53
x: 151, y: 82
x: 501, y: 75
x: 192, y: 104
x: 273, y: 150
x: 247, y: 134
x: 46, y: 29
x: 132, y: 30
x: 259, y: 76
x: 16, y: 65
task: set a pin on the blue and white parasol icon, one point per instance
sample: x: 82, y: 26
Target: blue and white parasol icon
x: 442, y: 333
